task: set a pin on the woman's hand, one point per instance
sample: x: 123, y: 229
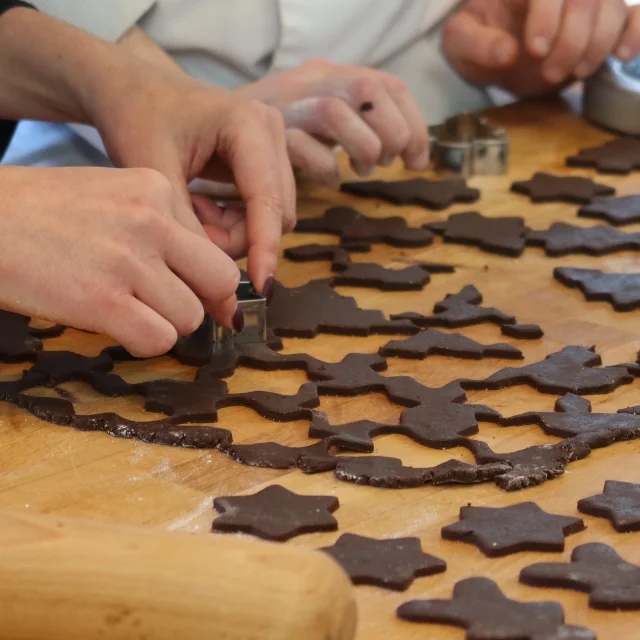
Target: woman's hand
x: 100, y: 249
x: 185, y: 129
x: 371, y: 114
x: 531, y: 47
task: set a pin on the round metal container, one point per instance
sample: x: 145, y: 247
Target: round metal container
x: 612, y: 96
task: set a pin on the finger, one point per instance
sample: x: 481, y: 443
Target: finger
x: 416, y: 152
x: 477, y: 50
x: 208, y: 271
x: 609, y: 27
x: 285, y: 170
x: 161, y: 290
x: 629, y: 45
x: 383, y: 116
x: 542, y: 26
x: 230, y: 232
x: 248, y: 150
x: 333, y: 119
x: 314, y: 159
x: 573, y: 39
x: 138, y: 328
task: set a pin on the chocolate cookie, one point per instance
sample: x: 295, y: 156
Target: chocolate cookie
x: 620, y: 503
x: 573, y: 417
x: 354, y: 227
x: 316, y: 307
x: 458, y: 310
x: 275, y: 513
x: 337, y: 253
x: 522, y: 331
x: 519, y: 527
x: 56, y: 367
x: 621, y: 290
x: 390, y: 564
x: 562, y: 239
x: 434, y: 342
x: 431, y: 194
x: 531, y: 466
x: 611, y: 582
x: 620, y: 155
x: 505, y: 236
x: 545, y: 187
x: 480, y: 607
x: 20, y: 342
x: 616, y: 211
x: 368, y: 274
x: 570, y: 370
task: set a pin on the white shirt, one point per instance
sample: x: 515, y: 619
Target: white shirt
x: 232, y: 42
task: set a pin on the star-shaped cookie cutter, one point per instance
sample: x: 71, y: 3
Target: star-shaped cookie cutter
x: 468, y: 145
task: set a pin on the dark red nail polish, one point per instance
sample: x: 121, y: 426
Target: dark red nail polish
x: 238, y: 319
x: 267, y: 290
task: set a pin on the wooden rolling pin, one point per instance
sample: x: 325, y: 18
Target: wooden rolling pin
x: 62, y: 579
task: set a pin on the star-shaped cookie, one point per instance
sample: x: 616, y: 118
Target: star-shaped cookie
x: 620, y: 503
x: 390, y: 564
x: 480, y: 607
x: 275, y: 513
x: 500, y: 531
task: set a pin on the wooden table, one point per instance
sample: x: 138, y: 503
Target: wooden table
x: 53, y: 469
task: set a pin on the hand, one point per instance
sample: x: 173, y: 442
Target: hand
x: 371, y: 114
x: 100, y: 249
x: 164, y: 120
x: 533, y: 46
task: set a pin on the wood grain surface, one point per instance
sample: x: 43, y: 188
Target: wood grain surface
x: 51, y: 469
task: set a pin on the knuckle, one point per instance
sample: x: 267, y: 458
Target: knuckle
x: 289, y: 221
x: 315, y: 64
x: 276, y: 117
x: 397, y: 86
x: 152, y: 185
x: 365, y: 89
x: 331, y: 109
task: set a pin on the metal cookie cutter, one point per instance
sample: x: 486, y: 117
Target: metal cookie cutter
x: 612, y: 96
x: 468, y: 145
x: 254, y: 308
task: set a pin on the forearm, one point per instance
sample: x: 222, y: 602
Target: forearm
x: 137, y: 42
x: 50, y: 70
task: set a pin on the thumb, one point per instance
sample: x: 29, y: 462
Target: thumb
x: 476, y: 50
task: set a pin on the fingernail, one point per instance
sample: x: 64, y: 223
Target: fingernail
x: 238, y: 320
x: 424, y: 159
x: 624, y: 52
x: 267, y: 290
x: 362, y: 170
x: 387, y: 161
x: 554, y: 75
x: 583, y: 70
x: 540, y: 46
x: 504, y: 52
